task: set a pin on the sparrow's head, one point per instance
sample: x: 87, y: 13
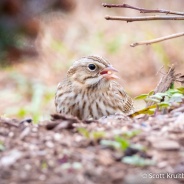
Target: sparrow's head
x: 91, y: 71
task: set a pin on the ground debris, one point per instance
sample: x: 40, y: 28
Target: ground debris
x: 67, y: 150
x: 59, y: 122
x: 162, y: 144
x: 9, y: 122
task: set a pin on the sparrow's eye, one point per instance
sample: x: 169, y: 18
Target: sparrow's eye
x: 91, y: 67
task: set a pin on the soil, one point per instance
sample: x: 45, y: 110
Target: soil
x: 67, y: 150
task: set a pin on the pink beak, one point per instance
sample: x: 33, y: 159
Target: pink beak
x: 108, y: 73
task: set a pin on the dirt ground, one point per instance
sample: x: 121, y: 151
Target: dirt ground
x: 66, y: 150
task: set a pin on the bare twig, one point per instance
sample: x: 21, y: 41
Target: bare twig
x: 145, y: 18
x: 157, y: 39
x: 142, y: 10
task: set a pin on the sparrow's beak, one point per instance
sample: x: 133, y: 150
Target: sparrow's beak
x: 108, y: 73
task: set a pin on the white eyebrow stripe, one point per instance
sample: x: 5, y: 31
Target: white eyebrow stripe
x: 86, y: 61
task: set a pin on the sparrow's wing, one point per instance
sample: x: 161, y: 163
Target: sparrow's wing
x: 122, y: 98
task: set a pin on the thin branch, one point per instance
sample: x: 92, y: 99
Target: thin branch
x: 145, y: 18
x: 142, y: 10
x: 157, y: 39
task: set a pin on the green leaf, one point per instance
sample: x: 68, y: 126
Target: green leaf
x: 153, y: 100
x: 151, y: 111
x: 172, y: 91
x: 22, y: 112
x: 181, y: 90
x: 163, y: 104
x: 44, y: 165
x: 141, y: 97
x: 133, y: 133
x: 109, y: 143
x: 151, y: 93
x: 2, y: 147
x: 84, y: 132
x: 137, y: 161
x: 157, y: 96
x: 138, y: 147
x: 176, y: 98
x: 172, y: 85
x: 36, y: 117
x: 160, y: 94
x: 98, y: 135
x: 148, y: 110
x: 123, y: 142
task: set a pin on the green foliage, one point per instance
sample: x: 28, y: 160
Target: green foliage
x: 137, y: 161
x: 97, y: 135
x: 148, y: 110
x: 44, y: 165
x: 181, y: 89
x: 144, y: 96
x: 124, y: 143
x: 2, y: 147
x: 161, y: 100
x: 138, y: 147
x: 121, y: 143
x: 159, y: 96
x: 94, y: 135
x: 84, y: 132
x: 118, y: 143
x: 168, y: 98
x: 110, y: 143
x: 130, y: 134
x: 141, y: 97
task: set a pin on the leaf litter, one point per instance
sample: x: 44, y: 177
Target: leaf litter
x: 115, y: 149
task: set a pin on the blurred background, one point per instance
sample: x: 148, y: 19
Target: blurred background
x: 40, y: 39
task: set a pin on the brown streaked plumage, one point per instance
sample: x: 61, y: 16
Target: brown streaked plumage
x: 90, y: 90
